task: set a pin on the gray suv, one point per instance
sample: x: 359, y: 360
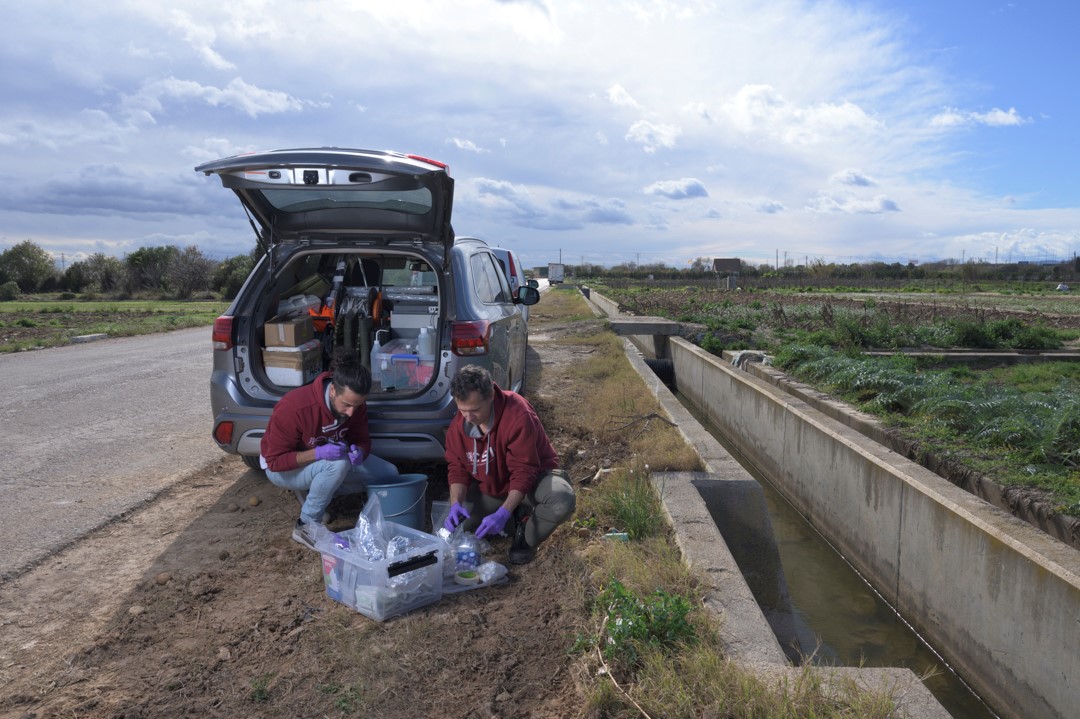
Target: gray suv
x: 360, y: 253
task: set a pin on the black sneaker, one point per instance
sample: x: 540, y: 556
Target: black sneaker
x: 520, y: 551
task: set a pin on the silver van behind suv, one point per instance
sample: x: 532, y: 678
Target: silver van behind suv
x: 360, y: 253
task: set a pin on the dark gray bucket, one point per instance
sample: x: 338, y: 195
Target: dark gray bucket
x: 402, y: 498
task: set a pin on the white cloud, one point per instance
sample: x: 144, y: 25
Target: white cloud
x: 543, y: 209
x: 652, y: 137
x: 687, y: 187
x: 463, y: 144
x: 201, y: 38
x: 618, y: 96
x: 763, y: 113
x: 952, y: 117
x: 237, y: 95
x: 853, y: 178
x: 769, y: 207
x: 86, y: 127
x: 850, y: 205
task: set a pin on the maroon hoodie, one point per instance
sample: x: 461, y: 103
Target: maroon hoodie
x: 301, y: 418
x: 513, y: 455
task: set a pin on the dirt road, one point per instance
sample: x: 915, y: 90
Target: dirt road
x: 198, y: 604
x: 90, y: 431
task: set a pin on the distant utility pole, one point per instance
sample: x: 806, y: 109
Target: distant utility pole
x: 777, y: 259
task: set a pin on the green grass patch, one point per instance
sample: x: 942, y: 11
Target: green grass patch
x: 39, y: 324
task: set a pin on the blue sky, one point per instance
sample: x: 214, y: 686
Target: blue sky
x: 602, y: 132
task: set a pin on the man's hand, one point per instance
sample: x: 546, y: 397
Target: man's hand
x: 457, y: 515
x: 493, y: 523
x: 356, y: 455
x: 332, y: 451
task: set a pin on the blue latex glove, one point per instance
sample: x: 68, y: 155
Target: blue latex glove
x: 458, y: 514
x: 332, y: 451
x: 356, y: 455
x: 493, y: 523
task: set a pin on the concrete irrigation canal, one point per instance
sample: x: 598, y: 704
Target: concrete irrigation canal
x: 790, y: 560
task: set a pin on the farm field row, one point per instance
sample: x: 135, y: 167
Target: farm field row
x: 1018, y: 425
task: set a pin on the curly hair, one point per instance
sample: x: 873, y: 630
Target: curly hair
x: 472, y: 378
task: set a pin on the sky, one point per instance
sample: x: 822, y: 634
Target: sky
x: 582, y: 131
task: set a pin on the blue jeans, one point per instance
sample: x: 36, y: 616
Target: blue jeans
x: 325, y: 479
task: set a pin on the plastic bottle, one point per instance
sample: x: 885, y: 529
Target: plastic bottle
x: 381, y: 371
x: 376, y: 349
x: 466, y: 552
x: 425, y: 343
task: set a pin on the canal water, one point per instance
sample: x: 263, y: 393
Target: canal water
x: 819, y: 606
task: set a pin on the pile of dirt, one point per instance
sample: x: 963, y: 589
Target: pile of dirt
x: 200, y: 605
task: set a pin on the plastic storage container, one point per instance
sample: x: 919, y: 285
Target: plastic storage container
x: 389, y: 587
x: 398, y: 366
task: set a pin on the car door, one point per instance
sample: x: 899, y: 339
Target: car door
x: 507, y: 329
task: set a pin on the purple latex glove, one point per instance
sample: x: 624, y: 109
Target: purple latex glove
x: 458, y: 514
x: 356, y: 455
x: 332, y: 451
x: 493, y: 523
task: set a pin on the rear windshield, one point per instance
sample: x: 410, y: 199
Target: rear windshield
x: 410, y: 202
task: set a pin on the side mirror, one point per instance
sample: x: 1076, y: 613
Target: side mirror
x: 527, y: 296
x: 532, y: 283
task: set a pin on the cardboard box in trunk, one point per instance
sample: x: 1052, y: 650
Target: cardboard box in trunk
x: 293, y: 366
x: 288, y: 331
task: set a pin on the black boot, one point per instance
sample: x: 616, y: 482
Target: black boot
x: 520, y: 551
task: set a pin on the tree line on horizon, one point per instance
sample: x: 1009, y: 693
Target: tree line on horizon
x: 181, y: 273
x: 817, y: 271
x: 184, y: 273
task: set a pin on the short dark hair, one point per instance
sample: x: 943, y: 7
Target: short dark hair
x: 350, y: 373
x: 472, y: 378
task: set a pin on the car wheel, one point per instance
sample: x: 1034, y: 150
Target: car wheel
x: 252, y: 462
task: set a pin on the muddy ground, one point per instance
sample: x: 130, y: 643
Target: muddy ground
x: 199, y: 604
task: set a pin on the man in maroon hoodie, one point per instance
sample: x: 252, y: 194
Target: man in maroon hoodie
x: 317, y: 442
x: 500, y: 460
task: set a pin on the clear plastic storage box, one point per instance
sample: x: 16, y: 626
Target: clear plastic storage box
x: 389, y: 587
x: 398, y: 365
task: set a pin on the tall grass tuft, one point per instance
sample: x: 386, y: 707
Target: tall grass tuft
x: 627, y: 502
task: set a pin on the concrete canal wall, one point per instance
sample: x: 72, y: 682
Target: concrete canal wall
x: 998, y: 598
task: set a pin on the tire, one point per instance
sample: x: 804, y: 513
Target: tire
x: 251, y: 462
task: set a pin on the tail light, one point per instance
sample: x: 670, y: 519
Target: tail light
x: 223, y: 433
x: 222, y: 337
x: 468, y: 339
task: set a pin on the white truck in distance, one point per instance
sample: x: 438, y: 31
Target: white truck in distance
x: 556, y: 271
